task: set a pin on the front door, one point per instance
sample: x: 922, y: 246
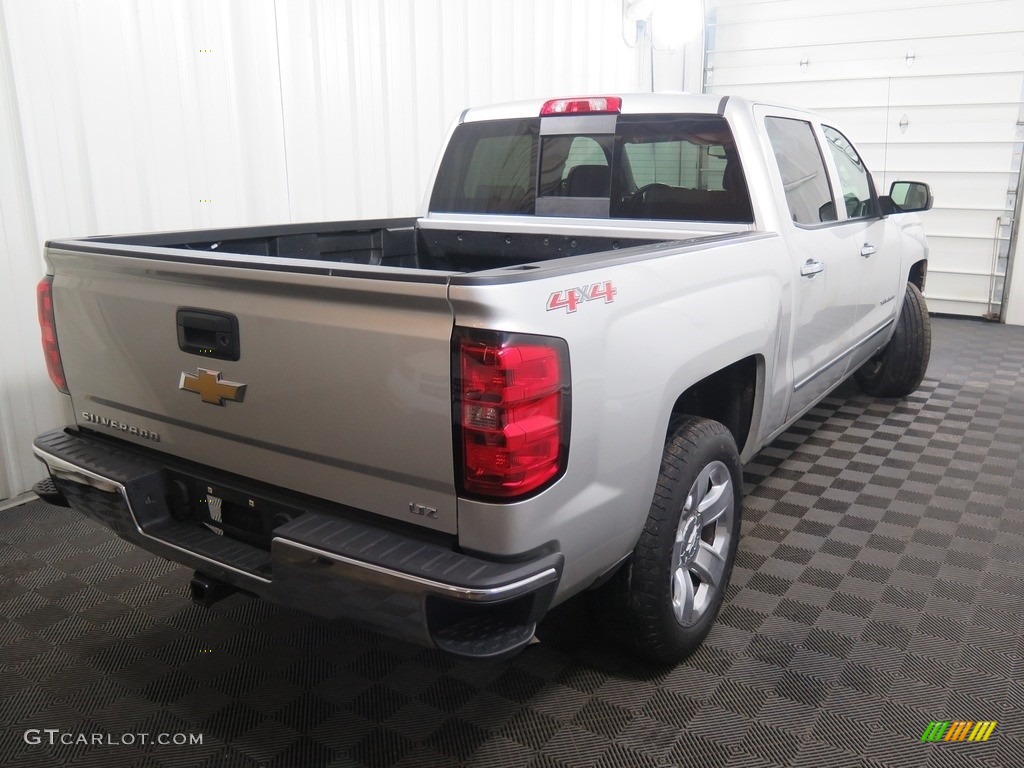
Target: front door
x: 875, y: 244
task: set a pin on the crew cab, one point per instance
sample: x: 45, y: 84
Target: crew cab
x: 544, y: 385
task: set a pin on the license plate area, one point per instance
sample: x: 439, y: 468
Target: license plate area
x: 228, y: 511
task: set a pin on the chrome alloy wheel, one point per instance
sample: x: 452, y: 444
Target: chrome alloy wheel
x: 702, y: 543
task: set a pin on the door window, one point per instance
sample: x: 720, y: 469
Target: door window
x: 804, y: 179
x: 853, y: 176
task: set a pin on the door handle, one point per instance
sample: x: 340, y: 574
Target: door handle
x: 206, y: 333
x: 867, y: 250
x: 811, y: 267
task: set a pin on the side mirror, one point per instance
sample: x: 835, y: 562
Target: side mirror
x: 908, y: 197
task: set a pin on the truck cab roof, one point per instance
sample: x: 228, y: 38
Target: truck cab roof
x: 666, y: 102
x: 630, y: 104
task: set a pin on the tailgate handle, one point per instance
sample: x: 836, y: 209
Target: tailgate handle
x: 208, y: 334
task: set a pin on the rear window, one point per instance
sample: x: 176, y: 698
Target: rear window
x: 676, y: 167
x: 489, y: 167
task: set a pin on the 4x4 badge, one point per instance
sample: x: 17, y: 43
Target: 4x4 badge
x: 208, y: 385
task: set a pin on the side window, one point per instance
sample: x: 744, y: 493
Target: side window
x: 854, y: 177
x: 802, y: 167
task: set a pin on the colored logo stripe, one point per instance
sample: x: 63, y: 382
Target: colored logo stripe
x: 958, y: 730
x: 982, y: 731
x: 935, y: 731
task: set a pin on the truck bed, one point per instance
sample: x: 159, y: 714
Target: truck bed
x: 396, y: 243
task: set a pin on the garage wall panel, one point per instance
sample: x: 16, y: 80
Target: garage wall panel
x: 927, y: 89
x: 27, y: 399
x: 794, y: 21
x: 149, y: 116
x: 364, y: 120
x: 977, y: 53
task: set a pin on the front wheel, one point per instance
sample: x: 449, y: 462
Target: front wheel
x: 666, y: 597
x: 898, y: 370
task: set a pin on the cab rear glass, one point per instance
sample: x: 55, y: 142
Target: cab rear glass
x: 675, y: 167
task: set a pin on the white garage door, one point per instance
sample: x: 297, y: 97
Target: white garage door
x: 930, y: 90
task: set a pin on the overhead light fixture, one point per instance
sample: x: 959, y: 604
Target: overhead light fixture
x: 667, y: 24
x: 674, y: 23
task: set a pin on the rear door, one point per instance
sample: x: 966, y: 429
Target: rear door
x: 823, y: 266
x: 340, y: 388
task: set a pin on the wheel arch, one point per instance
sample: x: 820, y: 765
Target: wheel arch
x: 730, y: 395
x: 918, y: 274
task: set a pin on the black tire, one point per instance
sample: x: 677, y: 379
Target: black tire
x: 645, y: 603
x: 898, y: 370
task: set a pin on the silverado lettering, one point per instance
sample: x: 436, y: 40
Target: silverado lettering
x: 145, y: 434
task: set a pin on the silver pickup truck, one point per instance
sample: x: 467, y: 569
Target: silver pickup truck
x: 546, y: 384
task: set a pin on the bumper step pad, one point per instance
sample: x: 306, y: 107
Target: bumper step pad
x: 133, y: 502
x: 319, y: 561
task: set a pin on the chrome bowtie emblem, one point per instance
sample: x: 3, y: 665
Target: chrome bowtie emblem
x: 209, y: 386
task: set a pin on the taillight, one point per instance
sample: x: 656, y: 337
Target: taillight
x: 44, y: 294
x: 511, y: 412
x: 588, y: 104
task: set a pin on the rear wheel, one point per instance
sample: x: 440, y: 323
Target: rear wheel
x: 664, y: 600
x: 898, y: 370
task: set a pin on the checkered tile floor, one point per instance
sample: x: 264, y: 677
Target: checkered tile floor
x: 879, y: 587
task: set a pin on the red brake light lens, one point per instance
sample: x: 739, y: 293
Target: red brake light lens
x: 48, y: 327
x: 511, y: 413
x: 591, y: 104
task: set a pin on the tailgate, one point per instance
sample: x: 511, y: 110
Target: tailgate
x: 346, y: 378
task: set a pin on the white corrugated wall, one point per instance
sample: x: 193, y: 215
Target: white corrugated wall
x: 929, y: 90
x: 132, y: 115
x: 26, y: 398
x: 370, y: 88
